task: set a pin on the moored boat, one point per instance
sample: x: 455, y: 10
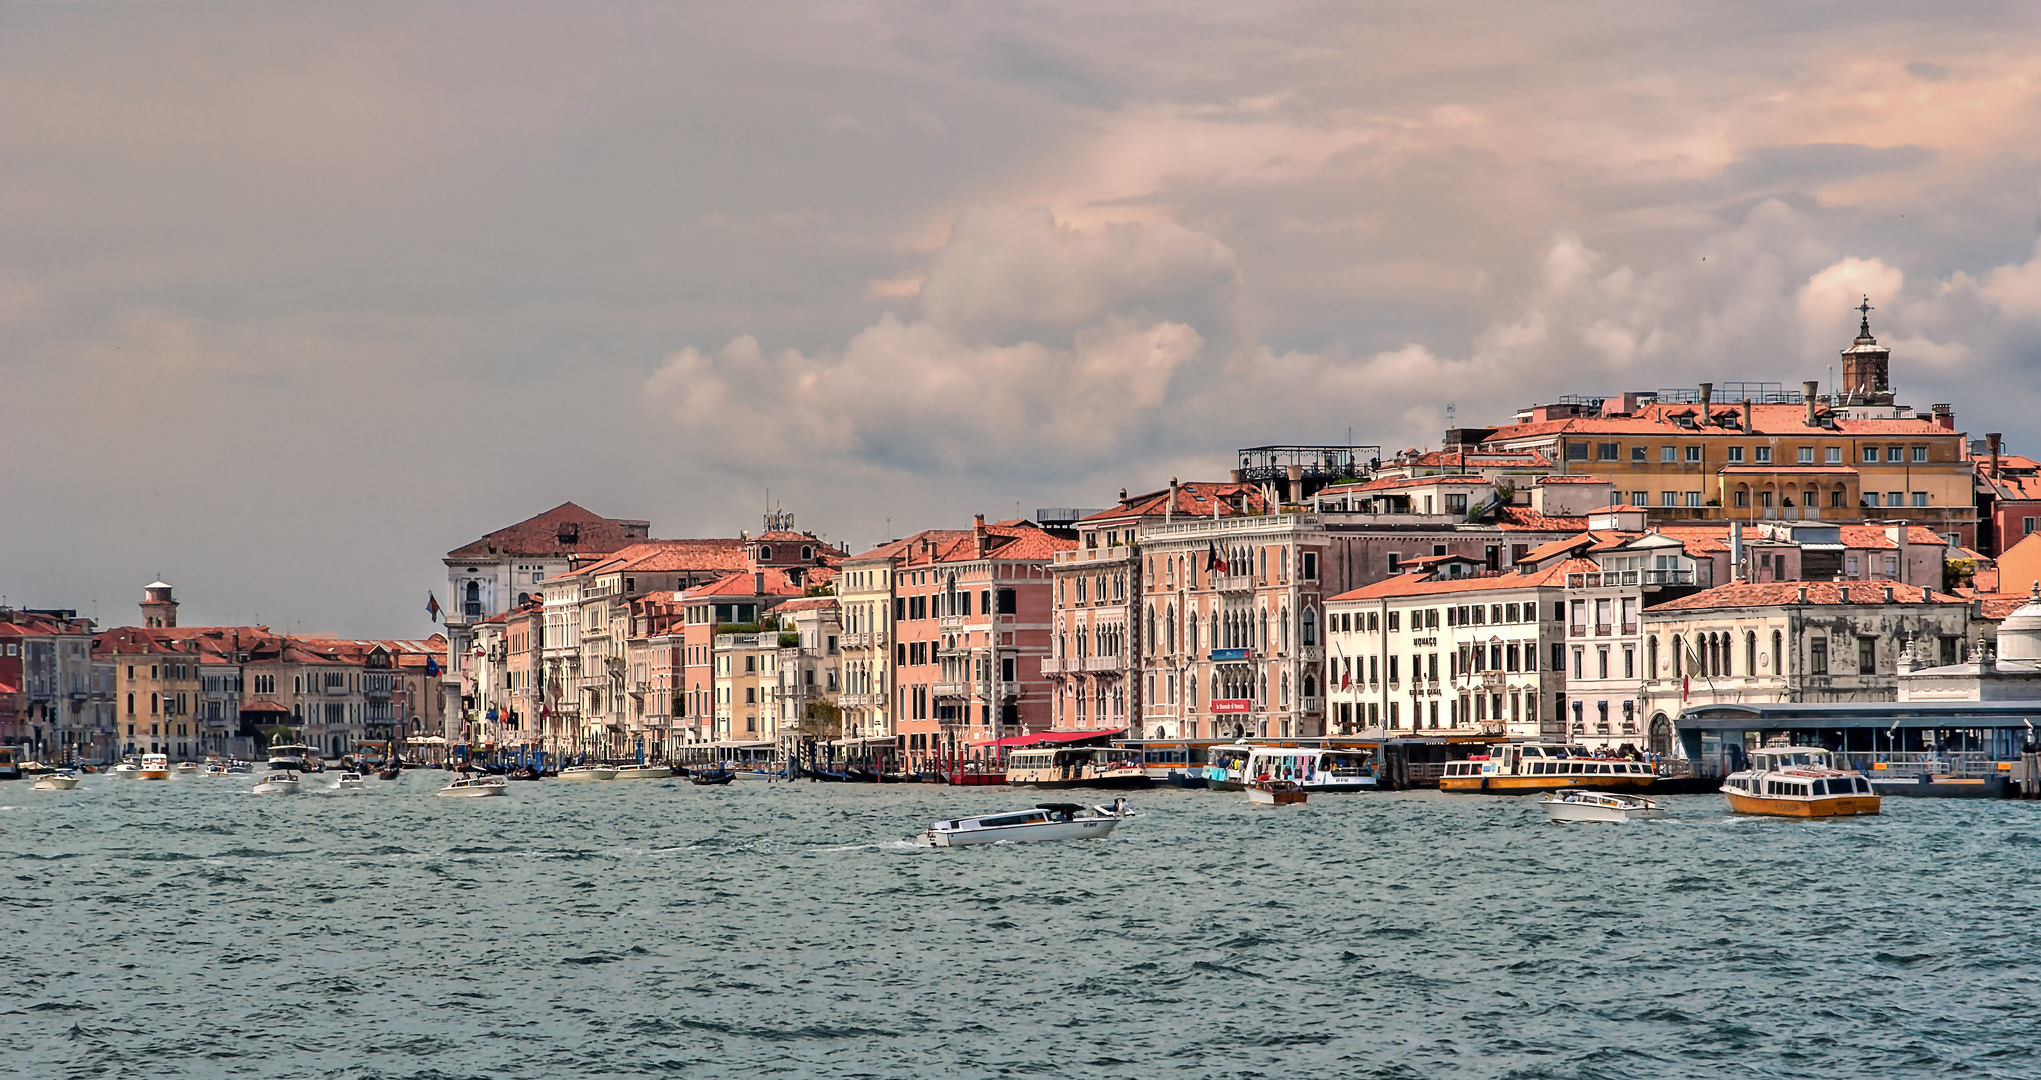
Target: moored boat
x: 588, y: 772
x: 1275, y: 793
x: 644, y: 772
x: 154, y: 767
x: 1226, y: 767
x: 1798, y: 781
x: 1068, y: 767
x: 36, y: 768
x: 10, y: 763
x: 1046, y: 821
x: 1528, y: 768
x: 474, y: 787
x: 280, y: 782
x: 1597, y: 806
x: 1316, y: 770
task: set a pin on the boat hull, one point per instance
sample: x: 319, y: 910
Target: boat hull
x: 479, y: 791
x: 649, y: 772
x: 1944, y: 787
x: 54, y: 783
x: 572, y: 773
x: 1087, y: 829
x: 152, y: 774
x: 275, y: 789
x: 1261, y: 797
x: 1818, y: 807
x: 1533, y: 785
x: 977, y: 779
x: 1130, y: 782
x: 1342, y: 787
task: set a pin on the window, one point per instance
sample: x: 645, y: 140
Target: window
x: 1806, y: 455
x: 1558, y: 656
x: 1817, y: 656
x: 1735, y: 455
x: 1395, y: 620
x: 1456, y: 503
x: 1920, y: 498
x: 1837, y: 498
x: 1395, y: 562
x: 1576, y: 451
x: 1637, y: 453
x: 1920, y: 453
x: 1764, y: 455
x: 1609, y: 451
x: 1742, y: 499
x: 1870, y: 455
x: 1668, y: 498
x: 1668, y: 454
x: 2026, y: 525
x: 1693, y: 498
x: 1640, y: 498
x: 1867, y: 656
x: 1894, y: 453
x: 1834, y: 455
x: 1310, y: 565
x: 1693, y: 453
x: 1895, y: 498
x: 1870, y: 498
x: 1629, y: 661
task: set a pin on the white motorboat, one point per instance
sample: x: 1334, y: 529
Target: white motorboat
x: 296, y: 757
x: 126, y: 770
x: 350, y: 784
x: 184, y: 768
x: 61, y: 780
x: 1047, y: 821
x: 1597, y: 806
x: 280, y: 782
x: 214, y: 770
x: 474, y: 787
x: 154, y: 767
x: 644, y: 772
x: 1276, y: 793
x: 588, y: 772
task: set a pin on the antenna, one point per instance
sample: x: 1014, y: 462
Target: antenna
x: 1451, y: 410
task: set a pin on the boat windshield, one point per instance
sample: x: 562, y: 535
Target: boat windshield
x: 1798, y: 757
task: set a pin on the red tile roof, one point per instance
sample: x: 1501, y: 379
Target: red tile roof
x: 1771, y: 594
x: 1873, y: 536
x: 1391, y: 483
x: 746, y: 584
x: 1194, y: 499
x: 539, y: 536
x: 1410, y: 584
x: 1523, y: 518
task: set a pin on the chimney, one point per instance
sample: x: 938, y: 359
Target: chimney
x: 1123, y: 494
x: 1236, y: 476
x: 1296, y: 483
x: 1746, y: 416
x: 1807, y: 392
x: 1736, y: 551
x: 1169, y: 509
x: 1707, y: 398
x: 1888, y: 594
x: 1896, y: 532
x: 1844, y: 592
x: 978, y: 534
x: 1945, y: 417
x: 1993, y: 440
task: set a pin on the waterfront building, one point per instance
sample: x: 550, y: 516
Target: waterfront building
x: 1788, y: 642
x: 56, y: 699
x: 810, y: 668
x: 746, y: 688
x: 1483, y: 654
x: 2008, y: 496
x: 738, y: 604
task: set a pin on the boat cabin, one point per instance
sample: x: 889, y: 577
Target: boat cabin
x: 1072, y: 764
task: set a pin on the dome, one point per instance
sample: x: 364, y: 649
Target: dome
x: 2019, y: 636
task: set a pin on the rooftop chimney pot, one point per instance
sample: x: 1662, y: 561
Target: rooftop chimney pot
x: 1807, y: 394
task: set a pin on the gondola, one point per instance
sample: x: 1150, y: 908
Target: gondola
x: 710, y: 777
x: 389, y: 772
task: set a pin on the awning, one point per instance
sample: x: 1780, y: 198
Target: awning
x: 1049, y: 737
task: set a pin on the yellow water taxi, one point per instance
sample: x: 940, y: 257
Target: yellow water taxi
x: 1798, y: 781
x: 1528, y: 768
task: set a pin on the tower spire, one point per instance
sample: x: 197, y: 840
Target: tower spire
x: 1864, y: 309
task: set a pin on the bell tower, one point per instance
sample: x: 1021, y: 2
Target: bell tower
x: 159, y: 609
x: 1867, y: 365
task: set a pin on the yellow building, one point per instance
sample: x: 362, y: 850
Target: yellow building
x: 747, y: 681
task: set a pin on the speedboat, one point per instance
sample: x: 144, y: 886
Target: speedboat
x: 474, y: 787
x: 126, y: 770
x: 36, y: 768
x: 1263, y: 792
x: 214, y: 770
x: 1597, y: 806
x: 280, y: 782
x: 184, y: 768
x: 295, y: 757
x: 60, y: 780
x: 1798, y: 781
x: 588, y: 772
x: 644, y: 772
x: 154, y: 767
x: 1047, y: 821
x: 350, y: 784
x: 240, y: 768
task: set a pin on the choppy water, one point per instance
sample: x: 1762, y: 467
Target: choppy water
x: 628, y: 928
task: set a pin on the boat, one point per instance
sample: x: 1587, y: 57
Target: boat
x: 1597, y: 806
x: 10, y: 764
x: 644, y: 772
x: 154, y: 767
x: 214, y: 770
x: 295, y: 757
x: 1178, y: 765
x: 279, y: 782
x: 710, y: 777
x: 240, y: 768
x: 474, y: 787
x: 390, y: 772
x: 1275, y: 793
x: 350, y: 784
x: 126, y: 770
x: 1798, y: 781
x: 588, y: 772
x: 185, y: 768
x: 59, y: 780
x: 1226, y: 767
x: 973, y: 773
x: 1316, y: 770
x: 1528, y: 768
x: 1084, y: 766
x: 525, y: 772
x: 36, y: 768
x: 1046, y: 821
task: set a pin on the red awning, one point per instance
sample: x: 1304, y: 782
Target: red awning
x: 1040, y: 737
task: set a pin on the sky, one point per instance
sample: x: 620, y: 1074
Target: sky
x: 295, y: 297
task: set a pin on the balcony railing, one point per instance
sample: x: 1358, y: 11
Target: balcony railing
x: 954, y: 689
x: 1577, y: 630
x: 1104, y: 663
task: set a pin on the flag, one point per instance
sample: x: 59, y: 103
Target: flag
x: 432, y: 608
x: 432, y: 667
x: 1212, y: 559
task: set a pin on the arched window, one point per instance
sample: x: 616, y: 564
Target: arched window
x: 1778, y: 663
x: 1310, y: 629
x: 152, y: 704
x: 1679, y: 660
x: 1310, y: 685
x: 1750, y: 653
x: 765, y: 553
x: 1284, y: 632
x: 1651, y: 657
x: 1151, y: 628
x: 474, y: 592
x: 807, y: 553
x: 1169, y: 639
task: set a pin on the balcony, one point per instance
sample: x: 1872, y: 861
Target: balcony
x: 1577, y: 630
x: 951, y: 622
x: 955, y: 689
x: 472, y: 609
x: 1104, y: 663
x: 1311, y: 654
x: 860, y: 701
x: 875, y: 639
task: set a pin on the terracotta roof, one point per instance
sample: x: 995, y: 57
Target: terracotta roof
x: 1999, y: 605
x: 1523, y: 518
x: 1554, y: 548
x: 1874, y: 537
x: 1459, y: 459
x: 540, y: 536
x: 1619, y: 508
x: 1772, y: 594
x: 1194, y: 499
x: 1390, y: 483
x: 1410, y: 585
x: 746, y: 584
x: 808, y: 603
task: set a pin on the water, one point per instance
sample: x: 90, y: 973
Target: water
x: 638, y: 928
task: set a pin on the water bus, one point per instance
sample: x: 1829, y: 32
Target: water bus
x: 1226, y: 767
x: 1527, y: 768
x: 1315, y: 769
x: 1086, y: 766
x: 10, y: 763
x: 1798, y: 781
